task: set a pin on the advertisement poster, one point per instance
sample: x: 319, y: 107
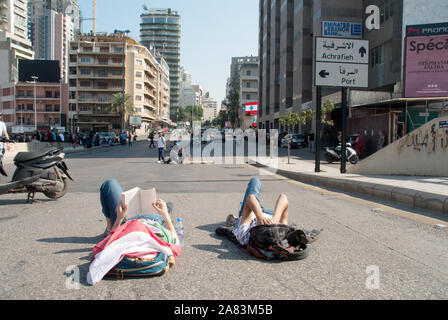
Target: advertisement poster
x: 427, y: 66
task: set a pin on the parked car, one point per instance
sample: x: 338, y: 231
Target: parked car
x: 296, y: 140
x: 281, y: 135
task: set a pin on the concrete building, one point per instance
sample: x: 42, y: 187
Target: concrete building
x: 210, y: 108
x: 52, y: 25
x: 286, y: 50
x: 248, y: 91
x: 161, y: 29
x: 27, y: 106
x: 100, y: 67
x: 14, y: 43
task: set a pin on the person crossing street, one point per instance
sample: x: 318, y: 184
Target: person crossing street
x: 161, y: 144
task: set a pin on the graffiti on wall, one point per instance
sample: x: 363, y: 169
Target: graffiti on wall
x: 431, y: 140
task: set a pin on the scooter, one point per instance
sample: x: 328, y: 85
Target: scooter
x: 43, y: 171
x: 333, y: 155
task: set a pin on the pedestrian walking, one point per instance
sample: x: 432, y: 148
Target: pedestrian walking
x: 129, y: 136
x: 3, y: 134
x: 311, y: 138
x: 360, y: 145
x: 151, y: 140
x: 161, y: 144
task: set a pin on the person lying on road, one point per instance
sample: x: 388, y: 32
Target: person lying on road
x: 115, y: 212
x: 253, y: 214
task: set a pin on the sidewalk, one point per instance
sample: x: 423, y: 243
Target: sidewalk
x: 430, y: 193
x: 69, y: 150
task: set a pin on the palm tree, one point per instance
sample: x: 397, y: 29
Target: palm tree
x: 117, y: 105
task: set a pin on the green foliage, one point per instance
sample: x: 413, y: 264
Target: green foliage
x: 290, y: 120
x: 327, y: 108
x: 190, y: 113
x: 233, y: 101
x: 220, y: 120
x: 117, y: 104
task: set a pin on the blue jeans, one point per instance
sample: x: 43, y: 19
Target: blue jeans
x: 161, y: 157
x: 110, y: 197
x: 253, y: 188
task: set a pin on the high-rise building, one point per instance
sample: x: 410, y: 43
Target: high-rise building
x: 102, y: 66
x: 248, y: 92
x: 161, y: 29
x: 14, y: 43
x: 52, y: 25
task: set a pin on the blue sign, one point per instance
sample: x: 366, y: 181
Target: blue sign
x: 339, y: 29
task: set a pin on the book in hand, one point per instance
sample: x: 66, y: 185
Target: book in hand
x: 139, y: 201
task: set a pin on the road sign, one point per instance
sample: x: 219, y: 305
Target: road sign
x: 342, y: 75
x: 341, y: 29
x: 341, y: 62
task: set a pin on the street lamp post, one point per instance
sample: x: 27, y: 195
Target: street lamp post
x: 123, y: 34
x: 35, y: 102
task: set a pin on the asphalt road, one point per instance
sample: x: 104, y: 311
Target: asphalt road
x: 43, y: 242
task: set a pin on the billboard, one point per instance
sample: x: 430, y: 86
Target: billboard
x: 135, y: 121
x: 45, y: 70
x: 419, y: 30
x: 426, y: 66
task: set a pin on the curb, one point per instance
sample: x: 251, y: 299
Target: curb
x: 406, y: 197
x: 80, y: 149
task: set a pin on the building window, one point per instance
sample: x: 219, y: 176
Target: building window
x: 138, y: 86
x: 139, y: 62
x: 48, y: 108
x: 85, y: 84
x: 29, y: 107
x: 85, y: 71
x: 376, y: 56
x: 248, y: 73
x: 86, y: 59
x: 57, y: 108
x: 139, y: 74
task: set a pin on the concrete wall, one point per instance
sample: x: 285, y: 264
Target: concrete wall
x: 423, y: 152
x: 13, y: 148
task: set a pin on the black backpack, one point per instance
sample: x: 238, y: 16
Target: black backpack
x: 277, y: 242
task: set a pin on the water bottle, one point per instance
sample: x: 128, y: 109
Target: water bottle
x: 180, y: 231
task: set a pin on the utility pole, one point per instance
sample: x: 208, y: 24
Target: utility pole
x: 35, y: 102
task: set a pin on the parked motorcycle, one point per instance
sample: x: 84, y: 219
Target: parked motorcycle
x: 333, y: 155
x: 43, y: 171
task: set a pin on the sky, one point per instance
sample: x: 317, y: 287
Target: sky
x: 212, y: 32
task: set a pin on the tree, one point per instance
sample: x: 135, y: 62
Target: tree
x: 290, y: 120
x: 190, y: 114
x: 220, y: 120
x: 117, y: 105
x: 327, y: 108
x: 233, y: 101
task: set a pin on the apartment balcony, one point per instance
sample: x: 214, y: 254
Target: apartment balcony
x: 99, y: 89
x: 248, y: 90
x: 93, y: 101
